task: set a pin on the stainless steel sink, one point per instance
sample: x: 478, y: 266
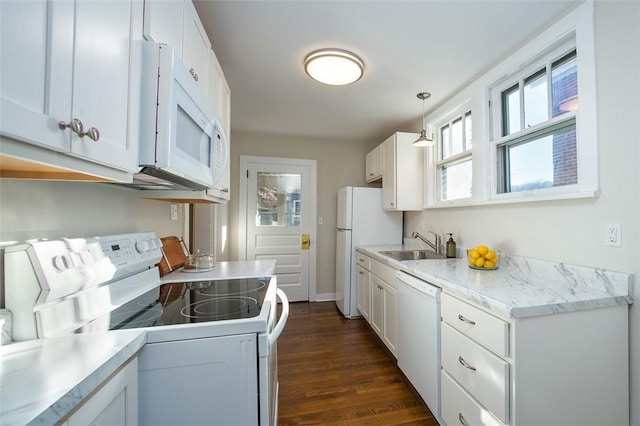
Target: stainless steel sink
x: 412, y: 254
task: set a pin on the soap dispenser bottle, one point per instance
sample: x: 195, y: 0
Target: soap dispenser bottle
x: 451, y: 246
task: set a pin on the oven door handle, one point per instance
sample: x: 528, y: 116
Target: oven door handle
x: 273, y: 336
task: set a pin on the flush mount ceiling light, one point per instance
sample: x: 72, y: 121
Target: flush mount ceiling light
x: 333, y: 66
x: 423, y: 140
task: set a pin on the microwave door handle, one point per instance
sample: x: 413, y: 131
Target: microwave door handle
x: 273, y: 336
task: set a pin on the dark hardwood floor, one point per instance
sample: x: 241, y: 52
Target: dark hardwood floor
x: 336, y: 371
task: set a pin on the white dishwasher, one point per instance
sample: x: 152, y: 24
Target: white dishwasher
x: 419, y: 337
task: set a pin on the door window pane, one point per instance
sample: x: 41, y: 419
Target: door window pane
x: 278, y: 199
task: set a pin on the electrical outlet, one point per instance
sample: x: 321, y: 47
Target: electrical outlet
x: 174, y: 212
x: 613, y: 235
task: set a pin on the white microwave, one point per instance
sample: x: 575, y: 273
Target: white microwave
x: 182, y: 145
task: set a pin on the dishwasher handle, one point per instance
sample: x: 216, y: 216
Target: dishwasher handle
x: 418, y: 284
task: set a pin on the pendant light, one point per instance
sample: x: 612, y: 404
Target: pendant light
x: 423, y: 140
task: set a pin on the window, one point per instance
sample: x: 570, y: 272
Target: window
x: 454, y: 166
x: 536, y: 145
x: 533, y: 140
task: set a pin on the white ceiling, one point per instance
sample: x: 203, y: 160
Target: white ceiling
x: 407, y: 47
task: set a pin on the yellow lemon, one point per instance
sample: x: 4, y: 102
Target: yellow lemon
x: 472, y: 262
x: 473, y: 254
x: 489, y: 264
x: 480, y: 262
x: 490, y: 255
x: 482, y: 249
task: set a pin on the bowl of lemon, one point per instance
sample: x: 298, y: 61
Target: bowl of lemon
x: 483, y: 258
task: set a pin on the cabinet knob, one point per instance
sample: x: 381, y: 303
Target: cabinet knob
x: 75, y: 125
x: 92, y: 133
x: 193, y: 74
x: 225, y: 189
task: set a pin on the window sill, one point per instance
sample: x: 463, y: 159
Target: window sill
x: 514, y: 198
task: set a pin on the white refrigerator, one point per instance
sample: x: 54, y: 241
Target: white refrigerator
x: 361, y: 221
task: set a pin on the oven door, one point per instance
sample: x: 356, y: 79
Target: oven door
x: 268, y: 360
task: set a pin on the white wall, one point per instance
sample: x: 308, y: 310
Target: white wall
x: 43, y: 209
x: 573, y: 231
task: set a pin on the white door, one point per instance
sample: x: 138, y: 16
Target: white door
x: 278, y: 214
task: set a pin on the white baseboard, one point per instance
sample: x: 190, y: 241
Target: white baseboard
x: 326, y: 297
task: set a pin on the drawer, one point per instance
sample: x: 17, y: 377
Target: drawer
x: 363, y: 260
x: 486, y: 329
x: 384, y: 272
x: 483, y: 374
x: 459, y: 408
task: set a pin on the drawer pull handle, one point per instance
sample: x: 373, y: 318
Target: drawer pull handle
x: 462, y: 420
x: 467, y: 320
x: 465, y: 364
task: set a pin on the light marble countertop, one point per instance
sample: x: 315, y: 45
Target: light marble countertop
x: 223, y: 270
x: 520, y: 287
x: 41, y: 381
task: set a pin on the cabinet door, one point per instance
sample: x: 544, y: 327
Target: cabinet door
x: 390, y: 303
x: 389, y: 174
x: 363, y: 282
x: 106, y: 89
x: 195, y: 46
x: 163, y: 22
x: 36, y: 42
x: 377, y: 305
x: 115, y: 403
x: 373, y: 164
x: 220, y: 96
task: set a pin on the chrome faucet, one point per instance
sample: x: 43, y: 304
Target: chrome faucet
x: 436, y: 246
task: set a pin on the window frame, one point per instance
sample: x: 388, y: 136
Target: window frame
x: 578, y: 25
x: 539, y: 63
x: 433, y: 157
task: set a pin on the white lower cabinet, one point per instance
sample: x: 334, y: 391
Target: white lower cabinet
x: 460, y: 408
x: 114, y: 403
x: 566, y: 368
x: 384, y: 304
x: 363, y: 284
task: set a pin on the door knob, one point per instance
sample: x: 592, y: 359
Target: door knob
x: 305, y: 241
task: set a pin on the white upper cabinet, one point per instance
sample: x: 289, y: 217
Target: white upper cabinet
x: 220, y: 95
x: 373, y: 165
x: 176, y: 23
x: 196, y: 46
x: 78, y: 64
x: 163, y: 22
x: 402, y: 177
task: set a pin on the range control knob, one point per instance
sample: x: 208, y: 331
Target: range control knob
x: 66, y: 261
x: 143, y: 246
x: 155, y: 243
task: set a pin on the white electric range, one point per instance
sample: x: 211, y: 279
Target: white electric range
x: 210, y: 356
